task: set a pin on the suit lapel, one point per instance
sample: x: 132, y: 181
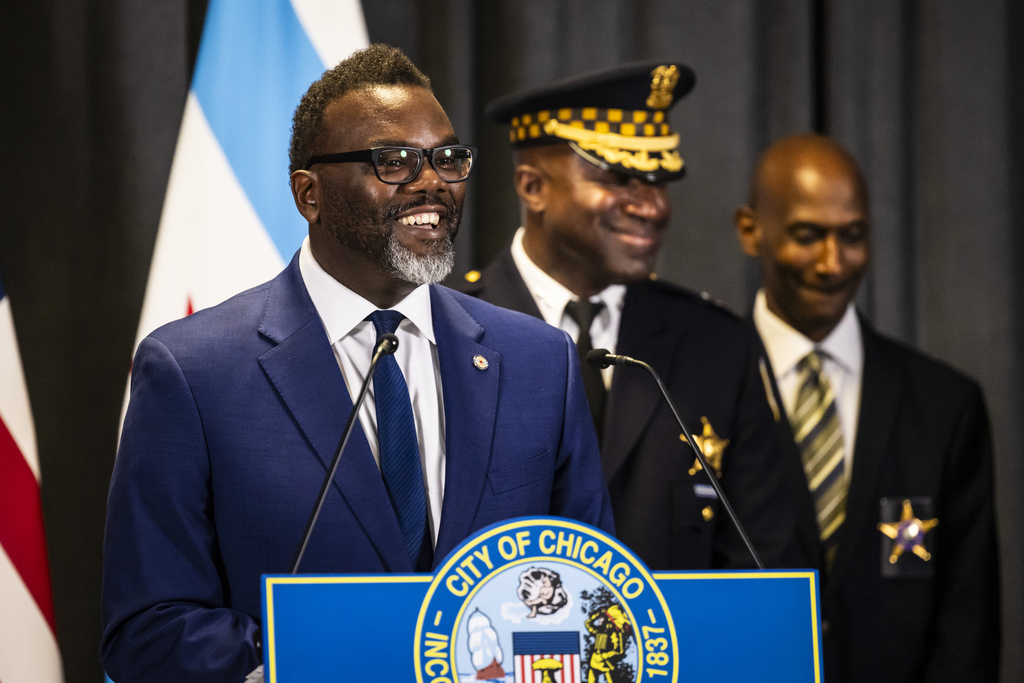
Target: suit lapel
x: 510, y: 291
x: 303, y: 369
x: 881, y: 394
x: 807, y: 517
x: 470, y: 409
x: 634, y: 397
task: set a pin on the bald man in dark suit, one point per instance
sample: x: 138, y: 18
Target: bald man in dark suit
x: 893, y: 465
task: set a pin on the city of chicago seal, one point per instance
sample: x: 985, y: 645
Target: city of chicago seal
x: 544, y: 599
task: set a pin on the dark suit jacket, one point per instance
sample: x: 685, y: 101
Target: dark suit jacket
x: 707, y: 358
x: 235, y: 414
x: 922, y: 434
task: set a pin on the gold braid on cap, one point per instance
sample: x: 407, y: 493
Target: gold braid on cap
x: 627, y: 151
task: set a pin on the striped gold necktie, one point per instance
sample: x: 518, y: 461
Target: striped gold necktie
x: 819, y: 436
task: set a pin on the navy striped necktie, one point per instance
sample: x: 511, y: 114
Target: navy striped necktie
x: 399, y: 449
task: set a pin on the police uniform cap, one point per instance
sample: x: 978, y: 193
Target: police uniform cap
x: 616, y: 118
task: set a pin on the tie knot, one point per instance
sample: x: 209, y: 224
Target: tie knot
x: 583, y: 312
x: 812, y: 363
x: 385, y: 322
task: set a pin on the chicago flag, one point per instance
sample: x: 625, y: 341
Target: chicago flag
x: 228, y: 220
x: 28, y: 642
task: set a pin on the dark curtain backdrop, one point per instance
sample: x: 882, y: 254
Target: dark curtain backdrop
x: 927, y: 95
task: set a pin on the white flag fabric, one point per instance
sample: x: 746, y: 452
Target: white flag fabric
x: 28, y: 642
x: 228, y: 220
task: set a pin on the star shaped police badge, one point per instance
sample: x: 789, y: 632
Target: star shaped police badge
x: 711, y: 445
x: 908, y: 534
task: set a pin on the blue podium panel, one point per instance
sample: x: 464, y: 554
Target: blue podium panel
x: 320, y: 628
x: 543, y: 600
x: 753, y: 626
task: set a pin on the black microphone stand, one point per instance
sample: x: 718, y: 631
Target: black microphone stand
x: 602, y: 358
x: 387, y: 345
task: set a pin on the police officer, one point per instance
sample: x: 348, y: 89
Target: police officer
x: 592, y: 157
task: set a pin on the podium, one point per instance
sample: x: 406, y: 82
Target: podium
x: 543, y: 600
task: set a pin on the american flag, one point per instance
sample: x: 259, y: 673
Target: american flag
x: 28, y: 641
x: 528, y: 648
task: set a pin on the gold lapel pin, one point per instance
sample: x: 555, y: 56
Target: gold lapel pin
x: 480, y: 362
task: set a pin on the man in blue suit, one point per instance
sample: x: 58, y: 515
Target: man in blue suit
x: 236, y: 411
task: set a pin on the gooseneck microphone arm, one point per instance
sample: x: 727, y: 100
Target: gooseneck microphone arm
x: 601, y: 358
x: 387, y: 345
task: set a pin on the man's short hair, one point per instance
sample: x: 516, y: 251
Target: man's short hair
x: 377, y: 65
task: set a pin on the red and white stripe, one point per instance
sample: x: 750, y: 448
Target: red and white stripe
x: 28, y: 642
x: 569, y: 673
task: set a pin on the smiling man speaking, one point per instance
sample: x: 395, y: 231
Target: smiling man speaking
x: 236, y: 411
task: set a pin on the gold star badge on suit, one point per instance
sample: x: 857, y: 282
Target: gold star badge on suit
x: 908, y: 534
x: 711, y: 445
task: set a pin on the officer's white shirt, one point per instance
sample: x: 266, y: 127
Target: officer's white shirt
x: 551, y: 297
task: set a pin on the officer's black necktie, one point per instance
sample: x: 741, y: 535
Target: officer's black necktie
x: 584, y: 312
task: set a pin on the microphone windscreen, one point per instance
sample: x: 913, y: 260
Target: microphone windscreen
x: 598, y: 358
x: 388, y: 343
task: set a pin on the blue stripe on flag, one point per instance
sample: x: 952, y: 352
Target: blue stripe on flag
x: 255, y: 62
x: 545, y: 643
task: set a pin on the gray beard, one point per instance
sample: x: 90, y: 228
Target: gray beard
x: 420, y: 270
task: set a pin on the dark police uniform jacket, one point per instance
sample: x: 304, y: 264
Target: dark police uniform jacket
x: 708, y: 358
x: 923, y: 436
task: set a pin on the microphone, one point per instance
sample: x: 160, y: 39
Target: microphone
x: 601, y: 358
x: 386, y: 346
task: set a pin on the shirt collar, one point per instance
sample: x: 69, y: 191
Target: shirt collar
x: 341, y: 310
x: 786, y: 346
x: 549, y: 294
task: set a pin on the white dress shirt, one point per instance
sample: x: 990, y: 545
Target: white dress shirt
x: 551, y: 297
x: 843, y: 365
x: 343, y: 313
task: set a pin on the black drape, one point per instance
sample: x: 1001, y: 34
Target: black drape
x: 927, y: 95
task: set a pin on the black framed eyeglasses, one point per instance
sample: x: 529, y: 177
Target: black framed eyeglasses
x: 398, y: 165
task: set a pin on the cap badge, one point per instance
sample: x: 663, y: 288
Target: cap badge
x: 711, y: 445
x: 908, y: 533
x: 663, y: 82
x: 480, y: 362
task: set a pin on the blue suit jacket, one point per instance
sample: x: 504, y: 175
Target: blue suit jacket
x: 235, y: 414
